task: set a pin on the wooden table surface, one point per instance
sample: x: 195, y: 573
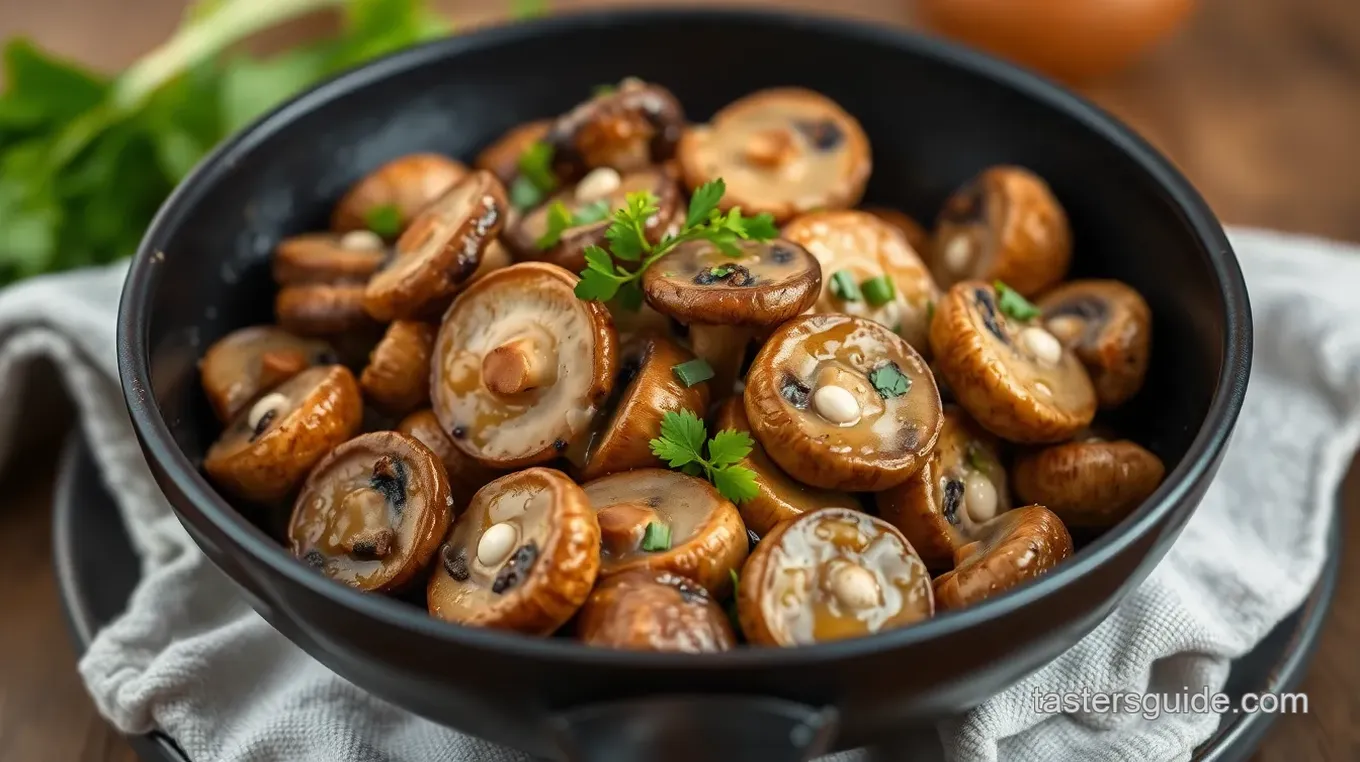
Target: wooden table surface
x: 1258, y: 101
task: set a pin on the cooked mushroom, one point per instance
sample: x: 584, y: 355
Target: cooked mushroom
x: 627, y: 128
x: 1090, y: 483
x: 387, y: 199
x: 665, y: 520
x: 784, y: 151
x: 322, y: 309
x: 961, y: 487
x: 1109, y: 327
x: 521, y: 365
x: 465, y: 474
x: 248, y: 361
x: 327, y: 258
x: 780, y: 497
x: 372, y: 513
x: 1004, y: 224
x: 869, y: 270
x: 726, y: 300
x: 271, y: 444
x: 831, y: 574
x: 440, y: 250
x: 842, y: 403
x: 635, y: 325
x: 591, y: 204
x: 523, y: 556
x: 502, y: 157
x: 650, y: 610
x: 1011, y: 375
x: 397, y: 378
x: 647, y: 387
x: 916, y: 234
x: 1014, y: 547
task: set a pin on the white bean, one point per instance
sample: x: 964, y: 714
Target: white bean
x: 1043, y: 345
x: 273, y: 402
x: 854, y: 586
x: 601, y: 182
x: 496, y: 543
x: 836, y: 405
x: 958, y: 253
x: 361, y: 240
x: 979, y: 497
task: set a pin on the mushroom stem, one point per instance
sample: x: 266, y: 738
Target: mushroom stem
x: 723, y: 347
x: 771, y: 148
x: 516, y: 366
x: 623, y: 524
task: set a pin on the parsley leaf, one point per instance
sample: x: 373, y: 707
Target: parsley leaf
x: 535, y: 164
x: 385, y: 220
x: 598, y: 280
x: 1013, y: 305
x: 681, y: 445
x: 736, y: 483
x: 524, y: 194
x: 890, y: 381
x: 559, y: 219
x: 728, y: 447
x: 704, y: 201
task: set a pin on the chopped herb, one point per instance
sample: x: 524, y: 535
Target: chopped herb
x: 890, y: 381
x: 600, y: 90
x: 535, y: 164
x: 721, y: 271
x: 656, y: 537
x: 878, y: 291
x: 977, y: 458
x: 681, y: 445
x: 385, y: 220
x: 930, y: 312
x: 1013, y: 305
x: 693, y: 372
x: 843, y: 286
x: 560, y: 219
x: 524, y: 194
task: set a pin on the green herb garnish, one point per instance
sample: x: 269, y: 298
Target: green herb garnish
x: 930, y: 312
x: 561, y: 219
x: 693, y: 372
x: 681, y: 445
x: 535, y: 165
x: 385, y: 220
x: 843, y: 286
x: 604, y: 278
x: 890, y: 381
x: 977, y: 458
x: 656, y: 537
x: 600, y: 90
x: 721, y: 271
x: 878, y: 291
x: 524, y: 194
x: 1013, y: 305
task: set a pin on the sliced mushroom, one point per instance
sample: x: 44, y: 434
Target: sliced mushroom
x: 502, y: 157
x: 269, y: 446
x: 831, y: 574
x: 780, y: 497
x: 326, y: 258
x: 665, y: 520
x: 784, y: 151
x: 1109, y: 327
x: 523, y: 556
x: 322, y: 309
x: 440, y: 250
x: 248, y: 361
x: 1011, y: 375
x: 727, y: 300
x: 869, y: 270
x: 465, y: 474
x: 591, y: 204
x: 397, y: 378
x: 372, y: 513
x: 1014, y: 547
x: 650, y: 610
x: 841, y: 402
x: 1004, y: 224
x: 626, y: 128
x: 916, y: 234
x: 1090, y: 483
x: 521, y: 365
x: 387, y: 199
x: 645, y: 389
x: 961, y: 487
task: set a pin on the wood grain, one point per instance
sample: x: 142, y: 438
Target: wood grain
x: 1258, y: 101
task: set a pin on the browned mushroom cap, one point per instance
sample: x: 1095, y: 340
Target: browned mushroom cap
x: 841, y: 402
x: 248, y: 361
x: 831, y: 574
x: 521, y: 365
x: 855, y: 248
x: 665, y: 520
x: 1016, y: 546
x: 726, y: 300
x: 650, y: 610
x: 960, y: 488
x: 630, y: 127
x: 784, y: 151
x: 645, y: 389
x: 916, y: 234
x: 501, y: 158
x: 271, y: 444
x: 1005, y: 224
x: 523, y: 556
x: 466, y: 475
x: 780, y: 497
x: 328, y: 258
x: 1090, y: 483
x: 372, y: 512
x: 398, y: 191
x: 397, y: 377
x: 1012, y: 376
x: 322, y: 309
x: 440, y: 250
x: 1109, y: 327
x: 592, y: 203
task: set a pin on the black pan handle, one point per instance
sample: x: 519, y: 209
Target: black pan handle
x: 685, y: 729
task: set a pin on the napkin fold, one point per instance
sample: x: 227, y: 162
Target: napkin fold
x: 191, y: 658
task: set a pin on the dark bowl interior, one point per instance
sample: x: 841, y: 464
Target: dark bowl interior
x: 935, y: 114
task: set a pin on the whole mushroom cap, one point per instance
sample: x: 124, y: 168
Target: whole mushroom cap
x: 831, y: 574
x: 1016, y: 547
x: 521, y: 365
x: 327, y: 258
x: 238, y: 367
x: 1090, y: 484
x: 626, y: 128
x: 1109, y: 327
x: 397, y: 377
x: 466, y: 475
x: 767, y: 284
x: 650, y: 610
x: 405, y: 185
x: 842, y: 403
x: 1012, y: 376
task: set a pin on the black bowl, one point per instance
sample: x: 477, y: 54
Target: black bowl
x: 936, y: 115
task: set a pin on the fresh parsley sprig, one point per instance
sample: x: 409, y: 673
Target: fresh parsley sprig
x: 605, y: 278
x: 1013, y: 304
x: 681, y: 445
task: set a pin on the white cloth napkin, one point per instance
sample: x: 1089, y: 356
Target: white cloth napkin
x: 191, y: 658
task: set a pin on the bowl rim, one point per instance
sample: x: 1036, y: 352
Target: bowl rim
x: 1194, y: 470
